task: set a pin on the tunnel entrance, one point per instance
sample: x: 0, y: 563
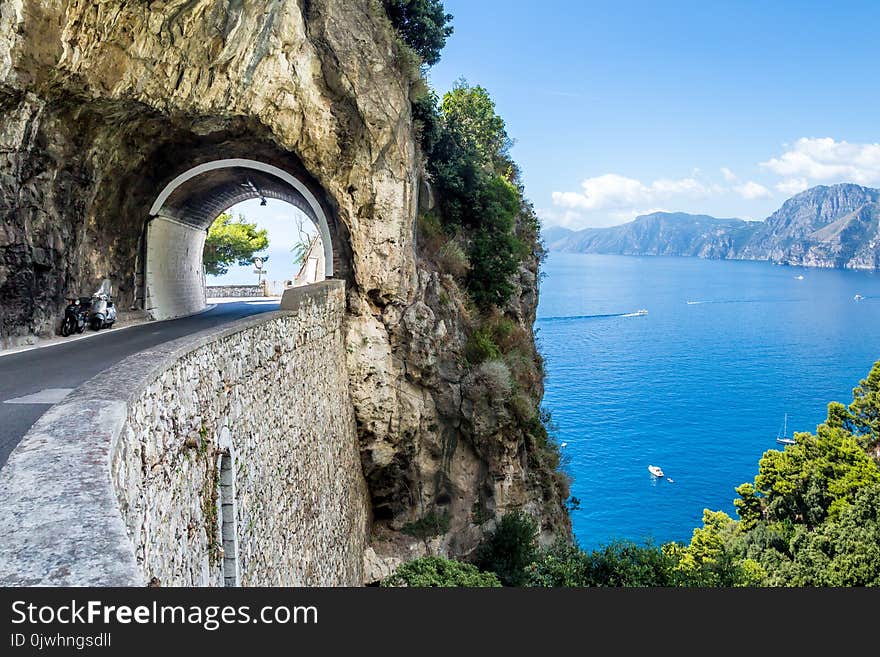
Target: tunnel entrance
x: 171, y: 282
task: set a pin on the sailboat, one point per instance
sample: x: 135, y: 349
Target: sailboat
x: 783, y: 438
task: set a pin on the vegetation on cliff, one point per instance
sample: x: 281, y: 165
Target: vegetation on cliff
x: 477, y: 232
x: 811, y: 517
x: 423, y: 25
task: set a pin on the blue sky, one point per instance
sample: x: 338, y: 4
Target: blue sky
x: 618, y: 108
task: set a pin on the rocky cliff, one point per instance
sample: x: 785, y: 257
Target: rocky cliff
x: 101, y: 104
x: 826, y: 226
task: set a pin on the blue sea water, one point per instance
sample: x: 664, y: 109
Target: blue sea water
x: 698, y: 386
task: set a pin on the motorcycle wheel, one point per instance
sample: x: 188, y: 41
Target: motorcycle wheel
x: 81, y: 327
x: 97, y: 325
x: 65, y: 328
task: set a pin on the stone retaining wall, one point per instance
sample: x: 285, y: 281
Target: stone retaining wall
x: 235, y: 291
x: 227, y: 457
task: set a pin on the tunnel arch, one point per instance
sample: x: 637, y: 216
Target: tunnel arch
x: 301, y: 196
x: 173, y: 281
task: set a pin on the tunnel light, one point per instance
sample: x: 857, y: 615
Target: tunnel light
x: 254, y: 189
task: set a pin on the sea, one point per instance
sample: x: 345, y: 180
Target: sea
x: 700, y: 385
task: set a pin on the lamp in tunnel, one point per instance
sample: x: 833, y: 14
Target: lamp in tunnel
x: 254, y: 189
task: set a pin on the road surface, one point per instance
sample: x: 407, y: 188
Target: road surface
x: 31, y: 381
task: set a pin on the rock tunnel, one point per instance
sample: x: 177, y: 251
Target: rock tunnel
x: 119, y: 120
x: 171, y: 279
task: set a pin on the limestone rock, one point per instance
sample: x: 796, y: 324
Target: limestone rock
x: 102, y: 104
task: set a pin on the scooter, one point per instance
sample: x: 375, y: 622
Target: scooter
x: 75, y: 316
x: 102, y: 312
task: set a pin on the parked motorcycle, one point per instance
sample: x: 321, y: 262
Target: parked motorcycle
x: 76, y: 315
x: 102, y: 312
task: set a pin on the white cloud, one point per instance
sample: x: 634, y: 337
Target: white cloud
x: 792, y: 186
x: 752, y: 191
x: 729, y: 175
x: 826, y: 160
x: 613, y: 192
x: 612, y: 199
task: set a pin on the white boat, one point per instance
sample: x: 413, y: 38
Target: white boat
x: 800, y: 278
x: 655, y: 470
x: 858, y: 297
x: 783, y: 438
x: 641, y: 311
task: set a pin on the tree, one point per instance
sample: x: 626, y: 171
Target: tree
x: 472, y: 173
x: 842, y: 552
x: 472, y: 123
x: 510, y: 548
x: 422, y: 24
x: 437, y: 571
x: 813, y: 479
x: 622, y: 563
x: 300, y: 248
x: 232, y: 242
x: 864, y: 412
x: 495, y: 251
x: 710, y: 560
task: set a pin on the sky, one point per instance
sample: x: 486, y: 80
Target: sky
x: 622, y: 108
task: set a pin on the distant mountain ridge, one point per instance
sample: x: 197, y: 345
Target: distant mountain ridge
x: 825, y: 226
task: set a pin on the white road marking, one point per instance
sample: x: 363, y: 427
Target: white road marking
x: 45, y: 396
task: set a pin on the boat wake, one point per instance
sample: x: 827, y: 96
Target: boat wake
x: 699, y: 303
x: 637, y: 313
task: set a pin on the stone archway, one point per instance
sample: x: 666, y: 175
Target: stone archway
x: 173, y: 283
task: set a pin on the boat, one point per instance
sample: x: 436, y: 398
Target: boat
x: 858, y: 297
x: 783, y: 438
x: 670, y: 480
x: 799, y: 278
x: 641, y: 311
x: 655, y: 470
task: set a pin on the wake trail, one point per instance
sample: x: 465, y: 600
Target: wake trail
x: 579, y: 317
x: 720, y: 301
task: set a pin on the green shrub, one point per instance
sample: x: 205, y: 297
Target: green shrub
x: 431, y: 524
x: 621, y: 563
x: 426, y: 117
x: 510, y: 548
x: 422, y: 24
x: 437, y: 571
x: 495, y: 252
x: 481, y: 347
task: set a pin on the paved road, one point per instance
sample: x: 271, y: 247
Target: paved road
x: 48, y: 372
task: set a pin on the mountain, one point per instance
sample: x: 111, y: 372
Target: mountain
x: 826, y: 226
x: 662, y: 233
x: 553, y: 234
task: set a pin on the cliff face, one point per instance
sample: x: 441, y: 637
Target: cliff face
x: 832, y: 226
x: 102, y: 104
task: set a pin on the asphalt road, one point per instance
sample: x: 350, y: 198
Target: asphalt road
x: 68, y: 364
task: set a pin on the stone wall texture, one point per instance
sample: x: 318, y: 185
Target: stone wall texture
x: 175, y: 282
x: 235, y: 291
x: 268, y: 393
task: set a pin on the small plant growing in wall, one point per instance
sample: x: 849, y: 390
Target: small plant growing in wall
x: 429, y: 525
